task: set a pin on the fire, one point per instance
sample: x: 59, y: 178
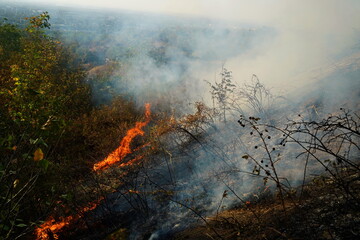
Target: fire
x: 134, y: 191
x: 50, y: 228
x: 124, y: 149
x: 92, y: 206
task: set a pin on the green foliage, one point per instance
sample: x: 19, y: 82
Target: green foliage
x: 9, y: 41
x: 42, y: 91
x: 37, y: 22
x: 49, y: 129
x: 42, y: 81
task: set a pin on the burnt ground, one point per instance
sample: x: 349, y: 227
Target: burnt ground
x: 323, y: 211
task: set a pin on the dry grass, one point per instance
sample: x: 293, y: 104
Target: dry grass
x: 322, y: 213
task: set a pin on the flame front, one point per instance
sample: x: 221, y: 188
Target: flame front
x: 124, y: 149
x: 50, y: 228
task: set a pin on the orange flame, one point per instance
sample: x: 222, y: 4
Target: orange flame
x: 51, y: 227
x: 134, y: 191
x: 124, y: 149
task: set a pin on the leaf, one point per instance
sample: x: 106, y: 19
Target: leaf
x: 39, y: 141
x: 44, y: 164
x: 38, y: 155
x: 21, y: 225
x: 4, y: 227
x: 16, y: 182
x: 26, y: 156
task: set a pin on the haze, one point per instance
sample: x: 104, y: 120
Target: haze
x: 310, y: 34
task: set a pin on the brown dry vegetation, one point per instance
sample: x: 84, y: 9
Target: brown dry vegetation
x: 322, y: 213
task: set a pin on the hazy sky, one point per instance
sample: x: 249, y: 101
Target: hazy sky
x: 219, y: 8
x: 310, y: 32
x: 313, y: 12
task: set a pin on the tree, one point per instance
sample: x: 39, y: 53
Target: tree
x: 42, y: 91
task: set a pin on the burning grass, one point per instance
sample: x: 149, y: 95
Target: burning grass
x: 50, y: 228
x: 124, y: 149
x: 170, y: 190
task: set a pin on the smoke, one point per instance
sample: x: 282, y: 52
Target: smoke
x: 168, y: 44
x: 308, y: 47
x: 311, y: 35
x: 288, y: 45
x: 179, y: 59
